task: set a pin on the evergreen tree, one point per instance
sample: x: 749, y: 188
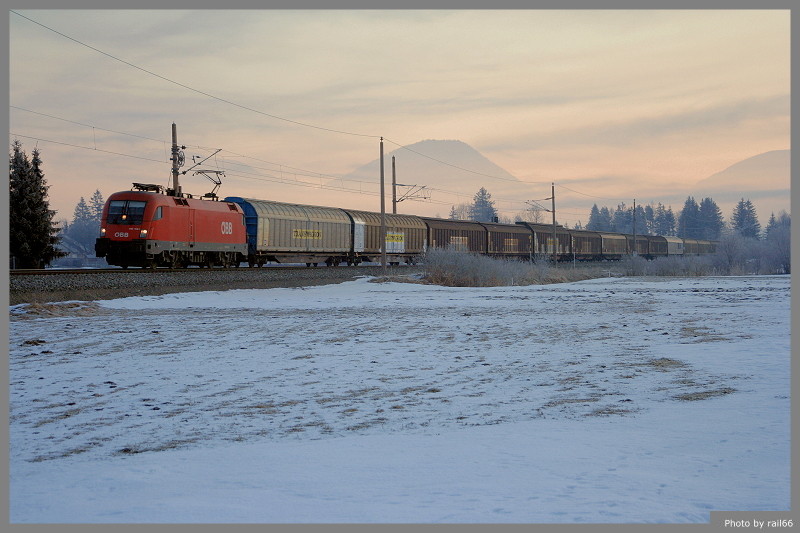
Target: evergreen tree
x: 770, y: 225
x: 623, y: 219
x: 710, y: 218
x: 96, y: 205
x: 606, y: 220
x: 594, y: 219
x: 649, y: 219
x: 84, y: 228
x: 482, y: 208
x: 744, y: 220
x: 600, y: 219
x: 689, y: 220
x: 664, y: 221
x: 32, y: 234
x: 642, y: 226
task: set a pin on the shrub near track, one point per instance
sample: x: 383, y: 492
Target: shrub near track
x: 461, y: 269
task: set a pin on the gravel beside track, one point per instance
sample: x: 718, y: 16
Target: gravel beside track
x: 91, y: 286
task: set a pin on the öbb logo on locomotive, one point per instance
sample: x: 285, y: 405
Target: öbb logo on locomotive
x: 183, y: 230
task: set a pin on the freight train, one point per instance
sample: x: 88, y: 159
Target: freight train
x: 148, y: 227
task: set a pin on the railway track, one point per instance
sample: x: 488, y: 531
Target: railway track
x: 53, y: 285
x: 89, y: 271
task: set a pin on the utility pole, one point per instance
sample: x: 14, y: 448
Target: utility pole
x: 634, y: 226
x: 394, y: 188
x: 177, y: 161
x: 383, y: 217
x: 555, y: 239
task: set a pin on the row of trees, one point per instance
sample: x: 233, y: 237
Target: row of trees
x: 646, y: 220
x: 702, y: 220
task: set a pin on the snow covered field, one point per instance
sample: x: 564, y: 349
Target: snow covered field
x: 610, y: 400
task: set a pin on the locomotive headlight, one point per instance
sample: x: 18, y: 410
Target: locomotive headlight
x: 143, y: 234
x: 102, y: 232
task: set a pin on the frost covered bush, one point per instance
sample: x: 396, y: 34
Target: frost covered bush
x: 739, y: 255
x: 455, y: 268
x: 462, y: 269
x: 690, y: 265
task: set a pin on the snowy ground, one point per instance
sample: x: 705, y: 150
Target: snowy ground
x: 611, y: 400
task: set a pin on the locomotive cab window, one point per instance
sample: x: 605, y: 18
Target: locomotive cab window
x: 159, y: 214
x: 125, y: 212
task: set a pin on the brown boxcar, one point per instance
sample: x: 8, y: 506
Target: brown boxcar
x: 699, y: 246
x: 405, y: 237
x: 461, y: 235
x: 661, y: 246
x: 691, y: 246
x: 641, y: 247
x: 615, y: 245
x: 543, y: 244
x: 505, y: 240
x: 586, y: 245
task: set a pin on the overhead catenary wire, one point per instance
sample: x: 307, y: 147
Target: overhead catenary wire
x: 94, y: 149
x: 203, y: 93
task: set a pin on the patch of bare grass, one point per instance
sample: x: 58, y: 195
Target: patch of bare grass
x: 704, y: 395
x: 665, y: 363
x: 59, y: 309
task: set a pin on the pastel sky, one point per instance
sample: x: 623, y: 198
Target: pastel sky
x: 609, y: 104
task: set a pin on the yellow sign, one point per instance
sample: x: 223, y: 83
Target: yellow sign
x: 395, y: 237
x: 315, y: 234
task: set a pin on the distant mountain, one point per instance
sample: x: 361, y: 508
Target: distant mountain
x: 767, y: 171
x: 765, y: 179
x: 439, y: 164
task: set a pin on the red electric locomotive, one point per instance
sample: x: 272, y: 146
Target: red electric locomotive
x: 147, y: 228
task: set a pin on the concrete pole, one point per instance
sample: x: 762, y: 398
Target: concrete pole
x: 634, y: 226
x: 555, y: 238
x: 394, y: 188
x: 383, y: 216
x: 175, y: 185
